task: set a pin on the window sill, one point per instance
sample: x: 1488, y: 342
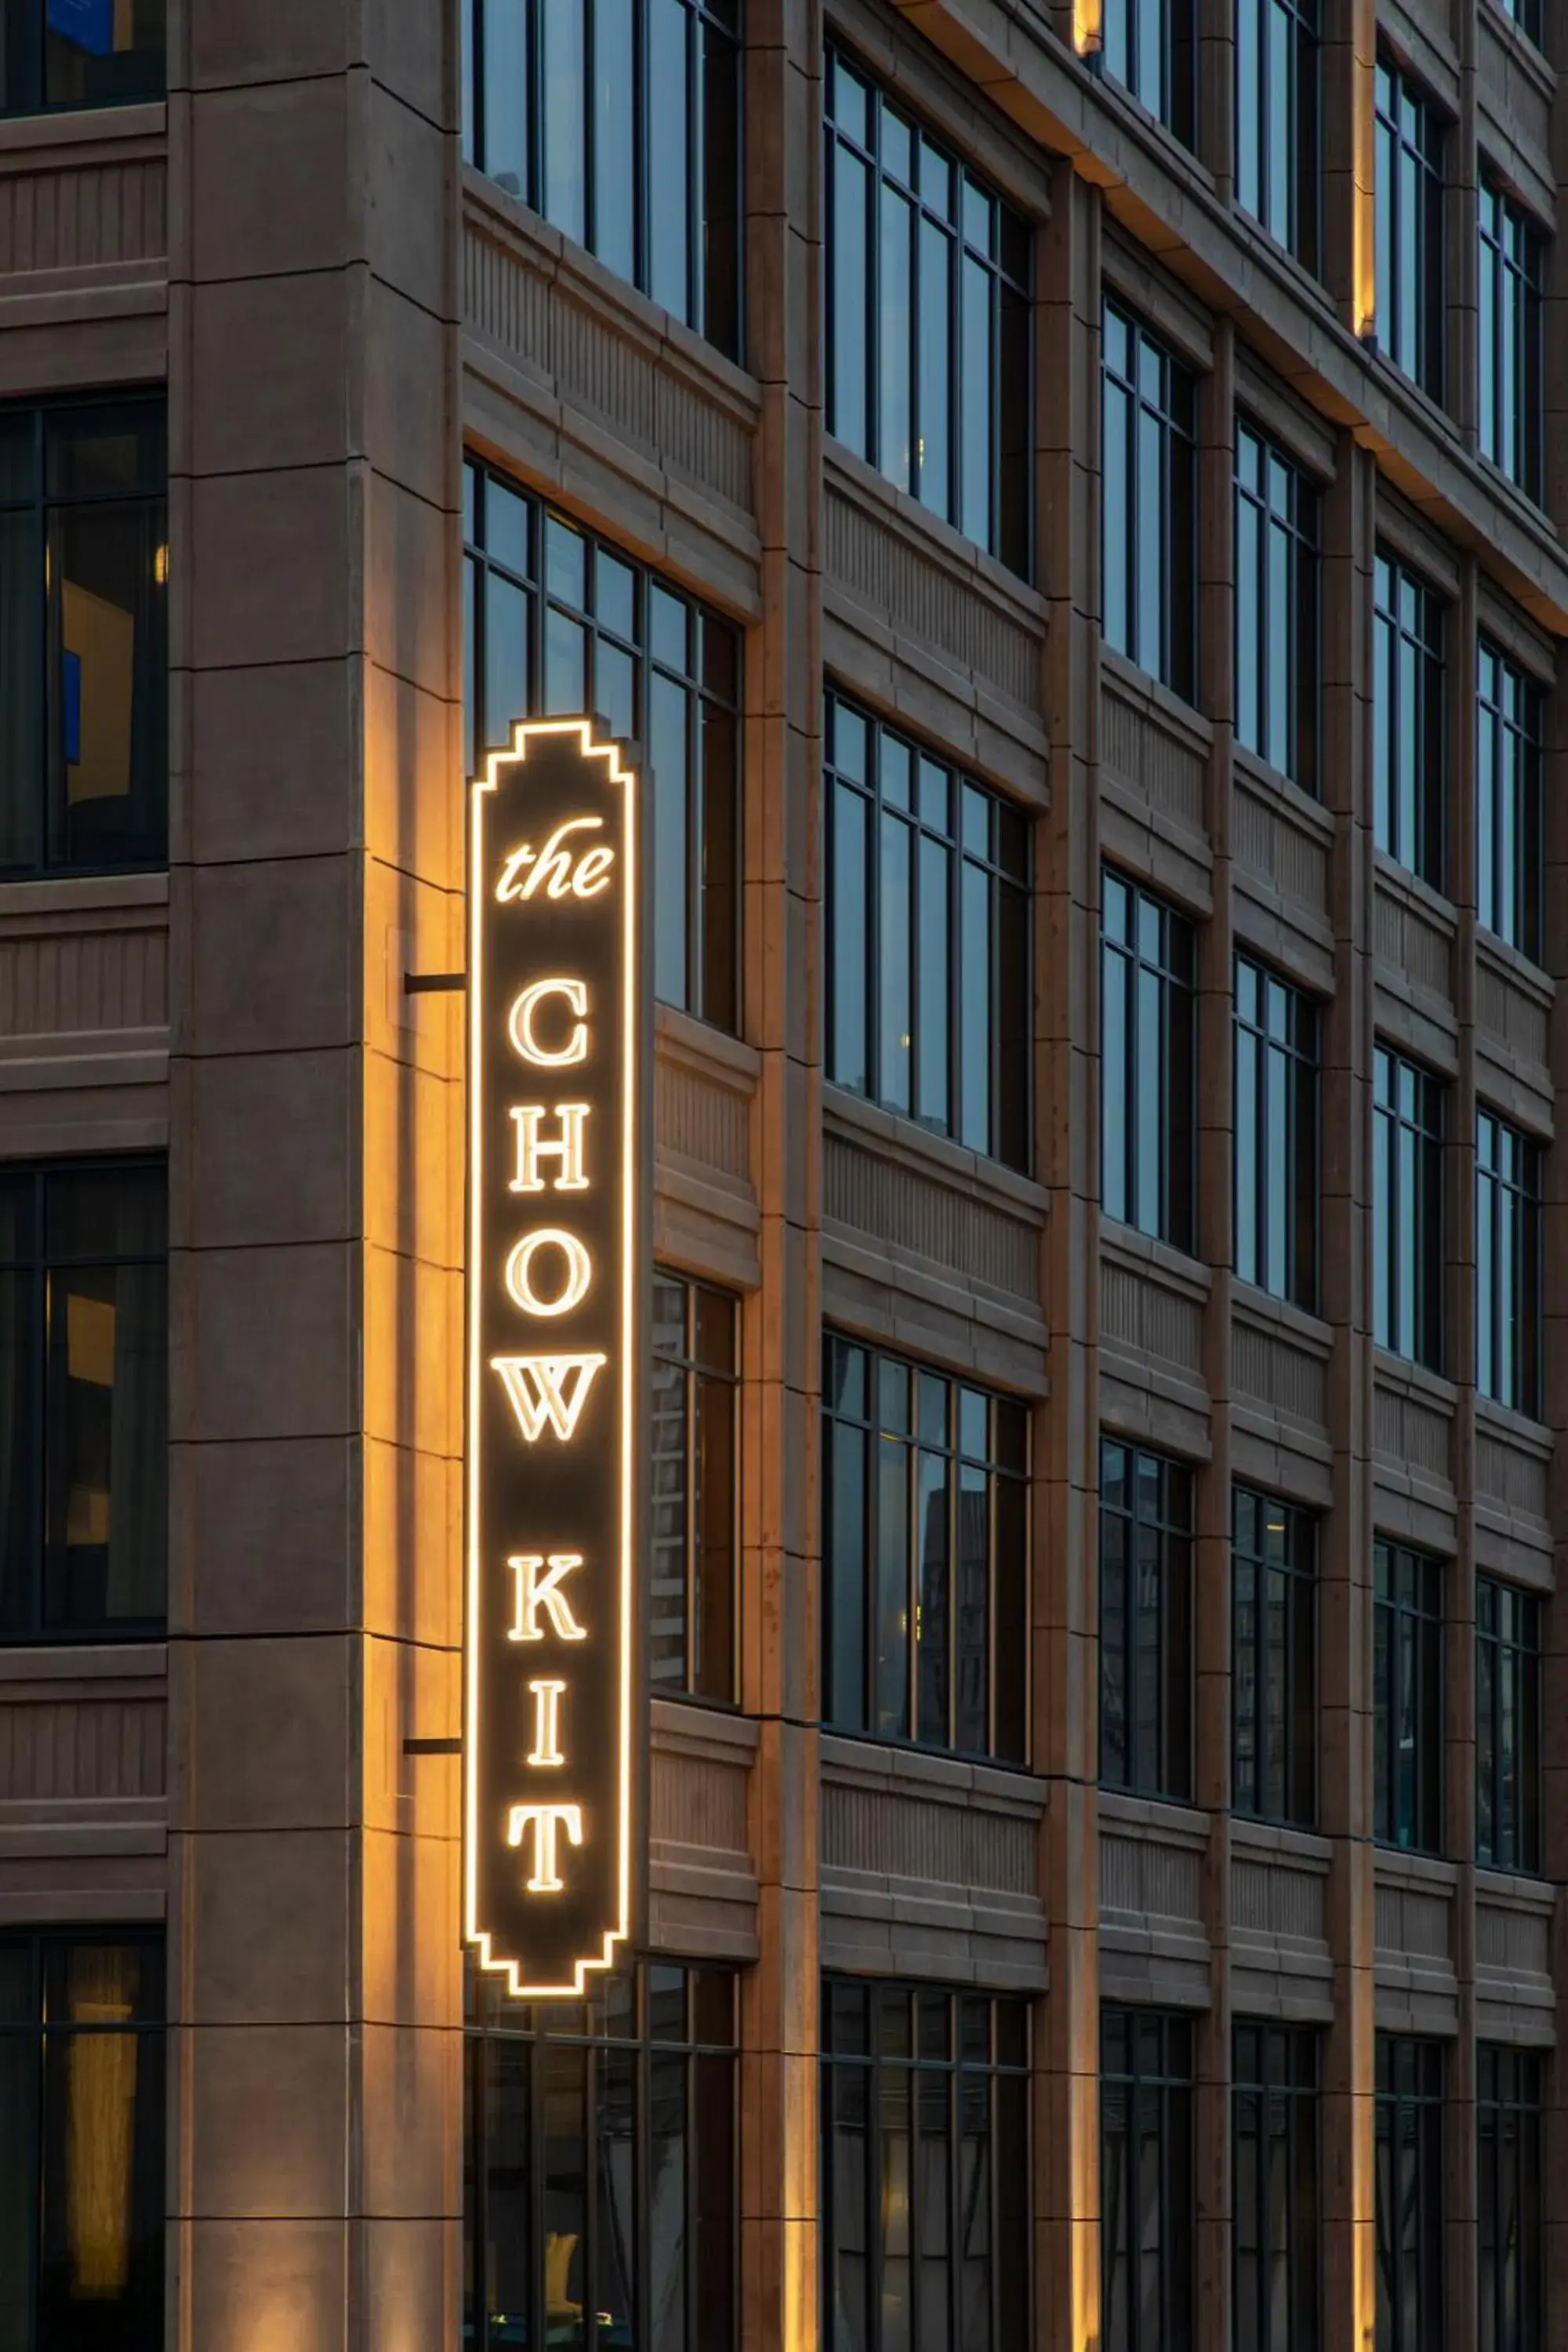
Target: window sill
x: 1518, y: 1889
x: 1397, y: 1866
x: 1164, y: 705
x: 1169, y: 1817
x: 1403, y: 1374
x: 1301, y: 806
x: 905, y: 1139
x: 89, y: 1659
x: 1295, y: 1845
x: 1513, y: 1428
x: 862, y: 1757
x: 702, y: 1726
x: 1423, y: 897
x: 26, y: 136
x: 684, y: 1037
x: 1516, y: 966
x: 1264, y: 1312
x: 85, y: 894
x: 1147, y: 1255
x: 948, y: 544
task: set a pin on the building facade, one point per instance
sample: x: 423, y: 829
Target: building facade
x: 1063, y: 499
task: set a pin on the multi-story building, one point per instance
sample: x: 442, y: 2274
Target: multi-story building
x: 1064, y: 505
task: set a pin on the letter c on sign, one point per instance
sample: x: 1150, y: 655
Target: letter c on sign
x: 519, y: 1024
x: 520, y: 1272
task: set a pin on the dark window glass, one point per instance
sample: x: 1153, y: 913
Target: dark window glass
x: 1149, y: 47
x: 1148, y: 1042
x: 620, y: 122
x: 1508, y: 847
x: 601, y: 2166
x: 1507, y: 1265
x: 1411, y: 301
x: 1407, y: 1210
x: 1145, y: 1622
x: 1148, y: 492
x: 1148, y: 2223
x: 925, y: 1556
x: 84, y: 1431
x: 79, y: 54
x: 1276, y: 1136
x: 925, y: 2169
x: 1274, y: 1662
x: 1509, y: 2179
x: 1409, y: 2141
x: 81, y: 2141
x: 1526, y: 15
x: 693, y: 1631
x: 558, y: 620
x: 1508, y: 1728
x: 84, y: 663
x: 1510, y: 338
x: 1409, y: 735
x: 1407, y: 1697
x: 1276, y: 609
x: 930, y: 993
x: 929, y: 279
x: 1274, y: 2154
x: 1277, y: 162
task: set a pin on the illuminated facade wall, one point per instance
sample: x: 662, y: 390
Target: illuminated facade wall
x: 1062, y: 501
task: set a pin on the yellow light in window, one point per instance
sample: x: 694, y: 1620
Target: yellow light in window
x: 160, y: 564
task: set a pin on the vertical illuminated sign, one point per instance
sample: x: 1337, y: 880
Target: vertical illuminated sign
x: 557, y: 1263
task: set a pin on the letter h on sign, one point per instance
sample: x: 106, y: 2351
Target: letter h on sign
x: 559, y: 1186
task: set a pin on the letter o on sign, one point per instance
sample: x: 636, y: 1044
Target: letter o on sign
x: 520, y: 1272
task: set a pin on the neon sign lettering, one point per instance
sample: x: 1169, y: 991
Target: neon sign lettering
x: 556, y: 1272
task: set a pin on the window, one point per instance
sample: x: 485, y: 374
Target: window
x: 558, y: 620
x: 927, y: 916
x: 600, y: 2164
x: 1274, y: 1666
x: 1276, y: 609
x: 1508, y: 1728
x: 1146, y: 2155
x: 1526, y: 15
x: 1510, y: 338
x: 81, y: 2141
x: 928, y: 319
x: 1149, y: 48
x: 84, y: 663
x: 620, y: 122
x: 84, y: 1369
x: 925, y: 2167
x: 692, y: 1631
x: 1411, y: 312
x: 925, y: 1556
x: 1407, y: 1210
x: 1407, y: 1698
x: 1148, y: 1042
x: 1145, y: 1622
x: 1508, y: 2166
x: 1276, y: 1136
x: 1409, y: 735
x: 1274, y: 2108
x: 1409, y: 2141
x: 1508, y: 1266
x: 1150, y: 493
x: 1276, y: 99
x: 80, y: 53
x: 1509, y: 848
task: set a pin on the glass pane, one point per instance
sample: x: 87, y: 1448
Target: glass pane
x: 669, y: 1498
x: 109, y: 681
x: 563, y: 115
x: 509, y: 2179
x: 668, y: 760
x: 564, y: 2201
x: 21, y: 680
x: 670, y: 149
x: 615, y: 142
x: 615, y: 2250
x: 103, y: 52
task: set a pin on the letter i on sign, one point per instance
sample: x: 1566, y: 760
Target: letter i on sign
x: 557, y: 1275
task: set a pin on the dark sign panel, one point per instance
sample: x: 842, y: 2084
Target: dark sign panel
x: 557, y: 1265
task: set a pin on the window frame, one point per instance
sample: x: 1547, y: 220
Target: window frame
x: 1410, y: 160
x: 1007, y: 2213
x: 1509, y: 801
x: 1509, y: 1264
x: 1408, y: 1622
x: 1410, y: 674
x: 712, y: 981
x: 1509, y: 1731
x: 1172, y: 1524
x: 1526, y: 16
x: 1273, y: 1059
x: 1173, y: 659
x: 1010, y: 433
x: 700, y: 19
x: 1163, y: 2092
x: 1409, y: 2113
x: 30, y: 65
x: 1510, y: 337
x: 1292, y: 530
x: 1426, y: 1126
x: 1274, y: 2080
x: 858, y: 937
x: 40, y: 1631
x: 1174, y: 1145
x: 1295, y: 1570
x: 1172, y: 78
x: 1509, y: 2110
x: 1007, y: 1714
x: 1290, y: 199
x: 697, y: 1375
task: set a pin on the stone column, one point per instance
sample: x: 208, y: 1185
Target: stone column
x: 315, y: 1163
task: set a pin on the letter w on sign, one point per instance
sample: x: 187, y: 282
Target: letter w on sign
x: 559, y: 1186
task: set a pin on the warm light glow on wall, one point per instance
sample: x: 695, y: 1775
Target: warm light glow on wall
x: 1364, y: 191
x: 1087, y: 26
